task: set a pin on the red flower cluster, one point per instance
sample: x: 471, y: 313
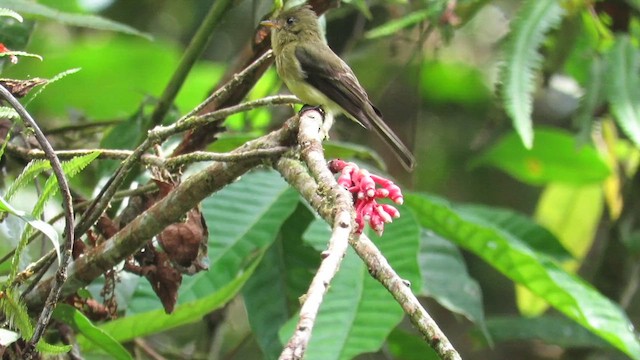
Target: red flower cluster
x: 362, y: 185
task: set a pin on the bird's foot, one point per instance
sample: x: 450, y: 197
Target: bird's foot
x: 326, y: 116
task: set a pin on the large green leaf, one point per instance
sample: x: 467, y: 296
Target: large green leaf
x: 283, y: 275
x: 550, y: 329
x: 520, y: 226
x: 623, y: 86
x: 406, y: 346
x: 511, y: 256
x: 80, y: 323
x: 522, y: 61
x: 122, y: 84
x: 555, y: 157
x: 30, y: 9
x: 358, y: 313
x: 445, y: 278
x: 143, y: 324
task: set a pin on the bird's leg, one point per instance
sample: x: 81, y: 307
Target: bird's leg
x: 326, y: 115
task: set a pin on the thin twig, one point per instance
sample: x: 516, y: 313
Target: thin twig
x: 159, y: 134
x: 166, y: 211
x: 146, y: 159
x: 67, y: 205
x: 380, y: 269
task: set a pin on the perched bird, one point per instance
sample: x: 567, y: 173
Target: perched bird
x: 315, y: 74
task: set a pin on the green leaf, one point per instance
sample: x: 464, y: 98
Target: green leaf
x: 31, y: 9
x: 15, y: 313
x: 522, y: 61
x: 113, y: 99
x: 284, y: 273
x: 70, y: 169
x: 52, y: 349
x: 26, y: 177
x: 555, y: 157
x: 445, y: 278
x: 566, y: 292
x: 522, y: 227
x: 406, y: 346
x: 343, y: 150
x: 350, y: 321
x: 154, y: 321
x: 550, y: 329
x: 80, y: 323
x: 623, y: 86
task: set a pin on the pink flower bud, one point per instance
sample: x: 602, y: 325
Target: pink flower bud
x: 392, y: 211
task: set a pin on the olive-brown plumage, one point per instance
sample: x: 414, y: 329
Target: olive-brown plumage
x: 315, y: 74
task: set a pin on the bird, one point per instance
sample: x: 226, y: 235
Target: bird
x: 317, y: 76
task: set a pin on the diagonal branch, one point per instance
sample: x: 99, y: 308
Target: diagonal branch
x: 61, y: 274
x: 168, y: 210
x: 331, y: 204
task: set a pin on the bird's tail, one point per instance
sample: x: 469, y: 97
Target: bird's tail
x: 383, y: 130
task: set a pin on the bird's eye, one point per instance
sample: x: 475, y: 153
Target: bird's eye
x: 291, y: 20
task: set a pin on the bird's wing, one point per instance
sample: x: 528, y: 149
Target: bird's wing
x: 333, y: 77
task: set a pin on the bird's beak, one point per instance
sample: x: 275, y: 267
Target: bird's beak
x: 270, y: 24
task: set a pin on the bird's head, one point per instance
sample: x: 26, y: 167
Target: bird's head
x: 295, y: 24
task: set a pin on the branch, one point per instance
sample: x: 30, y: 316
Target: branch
x: 61, y: 274
x: 380, y: 269
x: 332, y: 204
x: 158, y: 135
x: 147, y: 159
x: 166, y: 211
x: 309, y: 138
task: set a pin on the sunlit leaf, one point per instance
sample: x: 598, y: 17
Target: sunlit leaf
x: 566, y: 292
x: 555, y: 157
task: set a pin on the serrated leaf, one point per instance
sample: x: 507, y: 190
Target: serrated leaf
x: 34, y: 10
x: 555, y: 157
x: 16, y: 313
x: 566, y: 292
x: 350, y: 321
x: 522, y: 61
x: 51, y: 349
x: 80, y: 323
x: 70, y: 169
x: 28, y: 174
x: 8, y: 113
x: 445, y: 278
x: 623, y: 86
x: 10, y: 13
